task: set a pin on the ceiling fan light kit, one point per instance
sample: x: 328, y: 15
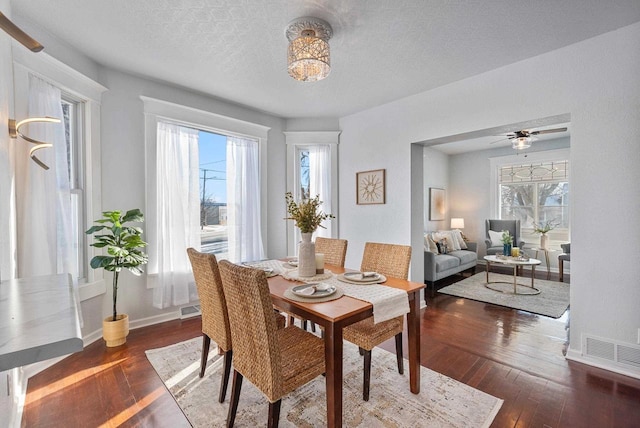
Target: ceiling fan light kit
x: 521, y: 143
x: 308, y: 55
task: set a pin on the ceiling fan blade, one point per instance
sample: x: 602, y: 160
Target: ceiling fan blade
x: 15, y: 32
x: 498, y: 141
x: 547, y: 131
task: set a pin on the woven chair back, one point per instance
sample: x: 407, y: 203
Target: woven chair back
x: 213, y: 305
x: 256, y: 354
x: 388, y: 259
x: 334, y: 250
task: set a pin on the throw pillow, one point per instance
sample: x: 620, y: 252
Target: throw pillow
x: 496, y: 238
x: 458, y: 234
x: 452, y: 241
x: 429, y: 244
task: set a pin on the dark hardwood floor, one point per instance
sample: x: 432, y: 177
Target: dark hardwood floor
x: 510, y: 354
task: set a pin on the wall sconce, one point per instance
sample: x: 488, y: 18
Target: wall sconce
x: 14, y: 132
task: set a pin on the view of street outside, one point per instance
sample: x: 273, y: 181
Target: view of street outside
x: 213, y: 239
x: 213, y: 194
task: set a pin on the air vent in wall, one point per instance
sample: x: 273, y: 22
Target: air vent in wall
x: 189, y: 311
x: 622, y: 353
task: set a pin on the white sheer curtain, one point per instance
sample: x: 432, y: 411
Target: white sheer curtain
x: 45, y: 244
x: 175, y: 223
x: 243, y: 200
x: 320, y: 182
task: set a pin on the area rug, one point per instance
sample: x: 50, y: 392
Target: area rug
x: 442, y: 402
x: 552, y: 301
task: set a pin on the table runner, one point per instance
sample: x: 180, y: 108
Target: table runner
x: 388, y: 302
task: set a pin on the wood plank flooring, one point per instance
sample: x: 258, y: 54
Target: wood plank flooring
x: 510, y: 354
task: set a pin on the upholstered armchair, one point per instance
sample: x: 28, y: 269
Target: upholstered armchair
x: 513, y: 226
x: 564, y: 257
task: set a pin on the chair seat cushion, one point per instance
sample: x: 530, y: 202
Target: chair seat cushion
x: 368, y: 335
x: 303, y: 357
x: 565, y: 257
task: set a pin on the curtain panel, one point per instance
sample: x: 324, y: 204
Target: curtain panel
x: 174, y: 225
x: 320, y: 182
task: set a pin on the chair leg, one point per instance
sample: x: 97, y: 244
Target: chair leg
x: 206, y: 342
x: 361, y: 350
x: 292, y: 320
x: 367, y: 375
x: 561, y: 269
x: 274, y: 414
x: 313, y: 326
x: 304, y: 325
x: 228, y: 356
x: 235, y: 397
x: 399, y: 353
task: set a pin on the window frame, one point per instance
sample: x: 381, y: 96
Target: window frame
x: 296, y: 141
x: 88, y: 92
x: 557, y: 236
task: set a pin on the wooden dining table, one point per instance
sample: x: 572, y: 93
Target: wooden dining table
x: 334, y: 316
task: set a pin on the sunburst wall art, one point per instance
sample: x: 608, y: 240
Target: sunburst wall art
x: 370, y: 186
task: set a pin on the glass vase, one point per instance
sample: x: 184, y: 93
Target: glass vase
x: 306, y: 256
x: 506, y: 249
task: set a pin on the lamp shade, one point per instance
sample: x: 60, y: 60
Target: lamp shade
x: 521, y: 143
x: 308, y: 56
x: 457, y: 223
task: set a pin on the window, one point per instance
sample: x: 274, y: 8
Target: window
x: 212, y: 149
x: 305, y: 185
x: 536, y: 193
x: 72, y: 110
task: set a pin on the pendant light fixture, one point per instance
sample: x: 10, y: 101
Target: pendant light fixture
x: 308, y: 56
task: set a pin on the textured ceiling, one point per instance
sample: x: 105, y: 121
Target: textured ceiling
x: 381, y: 50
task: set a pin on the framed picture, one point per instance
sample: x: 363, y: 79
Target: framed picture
x: 370, y: 187
x: 436, y: 204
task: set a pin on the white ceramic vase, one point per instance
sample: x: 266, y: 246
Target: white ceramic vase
x: 543, y: 241
x: 306, y: 256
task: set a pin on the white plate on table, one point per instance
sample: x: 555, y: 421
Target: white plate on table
x: 360, y: 278
x: 293, y: 262
x: 319, y: 290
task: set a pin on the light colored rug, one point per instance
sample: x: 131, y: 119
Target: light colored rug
x: 442, y: 402
x: 552, y: 301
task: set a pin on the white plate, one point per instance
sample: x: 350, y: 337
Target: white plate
x: 293, y: 262
x: 299, y: 290
x: 357, y: 277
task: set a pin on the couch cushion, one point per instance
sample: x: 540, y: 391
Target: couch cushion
x: 465, y: 256
x: 445, y: 262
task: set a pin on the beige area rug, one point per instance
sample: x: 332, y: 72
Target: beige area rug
x: 442, y: 402
x: 552, y: 301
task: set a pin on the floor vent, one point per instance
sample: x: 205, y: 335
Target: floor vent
x: 622, y: 353
x: 189, y: 311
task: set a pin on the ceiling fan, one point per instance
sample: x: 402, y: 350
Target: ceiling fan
x: 522, y: 139
x: 15, y: 32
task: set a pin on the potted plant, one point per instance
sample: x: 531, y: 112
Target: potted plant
x: 308, y: 218
x: 542, y: 229
x: 124, y: 251
x: 507, y: 241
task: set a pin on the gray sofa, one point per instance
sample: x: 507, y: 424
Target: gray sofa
x: 438, y: 266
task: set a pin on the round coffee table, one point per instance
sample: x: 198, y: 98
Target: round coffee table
x: 530, y: 290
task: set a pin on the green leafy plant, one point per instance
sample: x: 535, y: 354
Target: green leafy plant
x: 506, y: 237
x: 306, y: 213
x: 545, y: 227
x: 123, y: 245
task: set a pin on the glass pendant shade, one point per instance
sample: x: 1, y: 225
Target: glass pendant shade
x: 308, y: 59
x: 521, y: 143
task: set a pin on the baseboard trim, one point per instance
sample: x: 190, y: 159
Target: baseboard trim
x: 577, y: 356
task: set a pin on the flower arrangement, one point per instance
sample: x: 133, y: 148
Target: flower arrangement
x: 306, y: 213
x: 506, y: 237
x: 545, y: 227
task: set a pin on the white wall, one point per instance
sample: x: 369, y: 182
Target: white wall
x: 596, y: 81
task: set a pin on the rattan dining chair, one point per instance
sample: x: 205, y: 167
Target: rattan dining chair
x: 334, y: 250
x: 393, y: 261
x: 335, y: 253
x: 276, y: 361
x: 215, y: 319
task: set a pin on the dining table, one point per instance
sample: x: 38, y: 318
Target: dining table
x: 334, y: 316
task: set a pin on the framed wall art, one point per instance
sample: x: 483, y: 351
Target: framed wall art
x: 436, y: 204
x: 370, y: 187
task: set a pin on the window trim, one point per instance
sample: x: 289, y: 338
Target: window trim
x: 296, y: 140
